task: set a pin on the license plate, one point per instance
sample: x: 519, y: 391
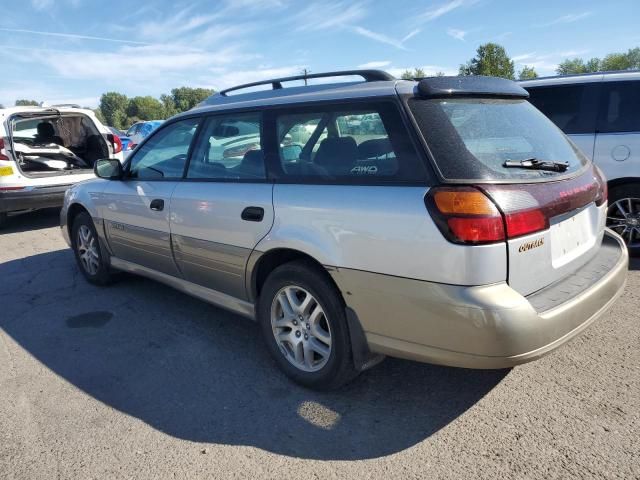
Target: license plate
x: 572, y: 237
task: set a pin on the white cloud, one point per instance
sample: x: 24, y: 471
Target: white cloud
x: 325, y: 15
x: 375, y: 64
x: 238, y: 77
x: 524, y: 56
x: 569, y: 18
x: 70, y: 36
x: 42, y: 4
x: 411, y: 34
x: 379, y: 37
x: 456, y: 33
x: 443, y: 9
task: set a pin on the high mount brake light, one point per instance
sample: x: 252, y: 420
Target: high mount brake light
x: 495, y: 213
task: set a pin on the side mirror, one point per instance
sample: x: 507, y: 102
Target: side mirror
x: 108, y: 168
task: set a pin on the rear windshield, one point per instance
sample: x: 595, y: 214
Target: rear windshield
x: 472, y: 138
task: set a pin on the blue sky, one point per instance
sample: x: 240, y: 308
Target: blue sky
x: 74, y: 50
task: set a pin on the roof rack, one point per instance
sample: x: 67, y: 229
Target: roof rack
x: 276, y: 83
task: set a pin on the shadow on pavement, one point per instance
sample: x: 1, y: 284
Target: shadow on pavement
x: 202, y: 374
x: 36, y: 220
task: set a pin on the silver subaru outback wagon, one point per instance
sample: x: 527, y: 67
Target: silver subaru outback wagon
x: 444, y: 220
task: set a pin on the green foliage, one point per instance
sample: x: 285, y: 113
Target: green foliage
x: 146, y: 108
x: 527, y: 73
x: 113, y: 106
x: 185, y: 98
x: 119, y: 111
x: 612, y: 62
x: 411, y: 74
x: 491, y: 59
x: 26, y: 103
x: 615, y: 61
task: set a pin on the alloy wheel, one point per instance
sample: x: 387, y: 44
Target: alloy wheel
x: 88, y: 250
x: 623, y: 217
x: 301, y: 329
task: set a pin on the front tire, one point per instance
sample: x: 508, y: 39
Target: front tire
x: 86, y: 248
x: 623, y: 215
x: 303, y: 323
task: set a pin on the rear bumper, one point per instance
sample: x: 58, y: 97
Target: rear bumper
x: 31, y: 198
x: 489, y: 326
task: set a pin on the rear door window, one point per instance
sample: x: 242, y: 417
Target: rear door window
x: 620, y: 107
x: 359, y: 144
x: 571, y: 107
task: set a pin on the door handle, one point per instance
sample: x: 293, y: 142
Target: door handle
x: 253, y: 214
x: 157, y: 205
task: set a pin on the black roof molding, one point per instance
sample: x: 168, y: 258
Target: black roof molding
x: 470, y: 86
x: 276, y: 83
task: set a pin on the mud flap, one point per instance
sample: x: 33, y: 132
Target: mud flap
x: 363, y: 358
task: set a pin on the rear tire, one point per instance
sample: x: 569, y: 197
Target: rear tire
x: 91, y: 258
x: 303, y: 323
x: 623, y: 215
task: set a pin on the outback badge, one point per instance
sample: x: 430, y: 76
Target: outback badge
x: 525, y: 247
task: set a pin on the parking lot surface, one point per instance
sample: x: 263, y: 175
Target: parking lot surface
x: 137, y: 380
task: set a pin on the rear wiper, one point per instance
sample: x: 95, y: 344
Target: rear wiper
x: 535, y: 164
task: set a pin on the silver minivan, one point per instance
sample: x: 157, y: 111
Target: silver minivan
x: 600, y: 112
x: 445, y: 220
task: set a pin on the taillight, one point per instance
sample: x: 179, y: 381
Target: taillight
x: 603, y: 188
x: 116, y: 142
x: 465, y: 215
x: 494, y: 213
x: 3, y: 152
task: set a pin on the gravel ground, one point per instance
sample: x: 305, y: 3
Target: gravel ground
x: 139, y: 381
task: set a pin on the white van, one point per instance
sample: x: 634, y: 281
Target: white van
x: 600, y: 112
x: 45, y: 150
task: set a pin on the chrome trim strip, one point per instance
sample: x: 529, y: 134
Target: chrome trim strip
x: 211, y: 296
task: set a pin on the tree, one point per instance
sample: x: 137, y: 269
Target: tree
x: 571, y: 67
x: 185, y: 98
x: 169, y: 105
x: 491, y: 59
x: 615, y: 61
x: 113, y: 106
x: 527, y: 73
x: 145, y: 108
x: 634, y: 58
x: 410, y: 75
x: 26, y: 103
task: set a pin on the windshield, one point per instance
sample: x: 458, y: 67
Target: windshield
x: 472, y: 138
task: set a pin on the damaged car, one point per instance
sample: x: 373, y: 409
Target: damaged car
x: 45, y: 150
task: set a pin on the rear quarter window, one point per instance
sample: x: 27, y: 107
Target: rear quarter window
x: 620, y: 107
x: 571, y: 107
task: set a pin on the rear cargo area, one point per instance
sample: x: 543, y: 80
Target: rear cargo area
x: 49, y: 144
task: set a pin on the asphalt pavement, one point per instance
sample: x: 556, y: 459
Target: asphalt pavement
x: 137, y: 380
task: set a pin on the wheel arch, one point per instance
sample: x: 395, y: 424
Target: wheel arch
x: 259, y: 267
x: 72, y: 212
x: 624, y: 181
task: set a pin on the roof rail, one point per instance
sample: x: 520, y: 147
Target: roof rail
x: 276, y: 83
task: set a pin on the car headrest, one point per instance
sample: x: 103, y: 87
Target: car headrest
x: 374, y: 148
x: 337, y: 152
x: 45, y: 130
